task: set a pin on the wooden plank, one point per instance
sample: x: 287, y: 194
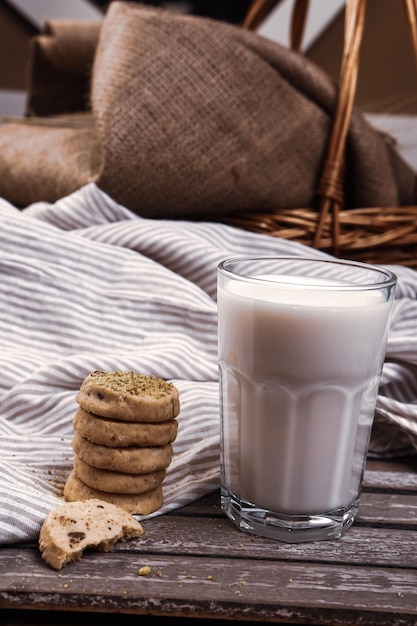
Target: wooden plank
x: 22, y: 617
x: 208, y: 538
x: 394, y: 474
x: 208, y: 505
x: 377, y: 508
x: 274, y: 590
x: 398, y: 509
x: 360, y: 545
x: 398, y: 464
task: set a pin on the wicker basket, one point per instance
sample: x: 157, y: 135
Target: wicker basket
x: 371, y: 234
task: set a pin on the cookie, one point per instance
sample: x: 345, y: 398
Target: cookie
x: 133, y: 460
x: 72, y: 527
x: 129, y: 396
x: 119, y: 434
x: 137, y: 504
x: 116, y: 482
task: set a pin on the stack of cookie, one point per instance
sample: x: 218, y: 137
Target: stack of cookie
x: 124, y: 429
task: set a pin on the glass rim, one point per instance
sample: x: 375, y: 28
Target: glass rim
x: 390, y: 277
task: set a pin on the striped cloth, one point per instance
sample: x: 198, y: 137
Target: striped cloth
x: 85, y: 284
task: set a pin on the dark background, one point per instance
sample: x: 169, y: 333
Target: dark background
x: 227, y: 10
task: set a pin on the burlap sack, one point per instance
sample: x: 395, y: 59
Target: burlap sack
x: 61, y: 63
x: 44, y: 157
x: 192, y: 117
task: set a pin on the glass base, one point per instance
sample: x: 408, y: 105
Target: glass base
x: 287, y: 528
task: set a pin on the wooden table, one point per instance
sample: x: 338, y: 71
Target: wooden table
x: 203, y: 567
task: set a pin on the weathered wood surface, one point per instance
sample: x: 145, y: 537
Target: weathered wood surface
x: 202, y: 566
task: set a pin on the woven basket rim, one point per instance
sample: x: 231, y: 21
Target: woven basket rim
x: 378, y: 234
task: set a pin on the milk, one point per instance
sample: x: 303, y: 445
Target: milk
x: 299, y: 373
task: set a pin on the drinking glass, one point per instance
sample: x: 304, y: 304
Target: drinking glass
x: 301, y: 347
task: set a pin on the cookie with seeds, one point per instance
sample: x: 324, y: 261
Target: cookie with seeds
x: 116, y: 482
x: 129, y: 396
x: 121, y: 434
x: 74, y: 526
x: 137, y: 504
x: 133, y: 460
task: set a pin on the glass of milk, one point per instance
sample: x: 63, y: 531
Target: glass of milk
x: 301, y: 348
